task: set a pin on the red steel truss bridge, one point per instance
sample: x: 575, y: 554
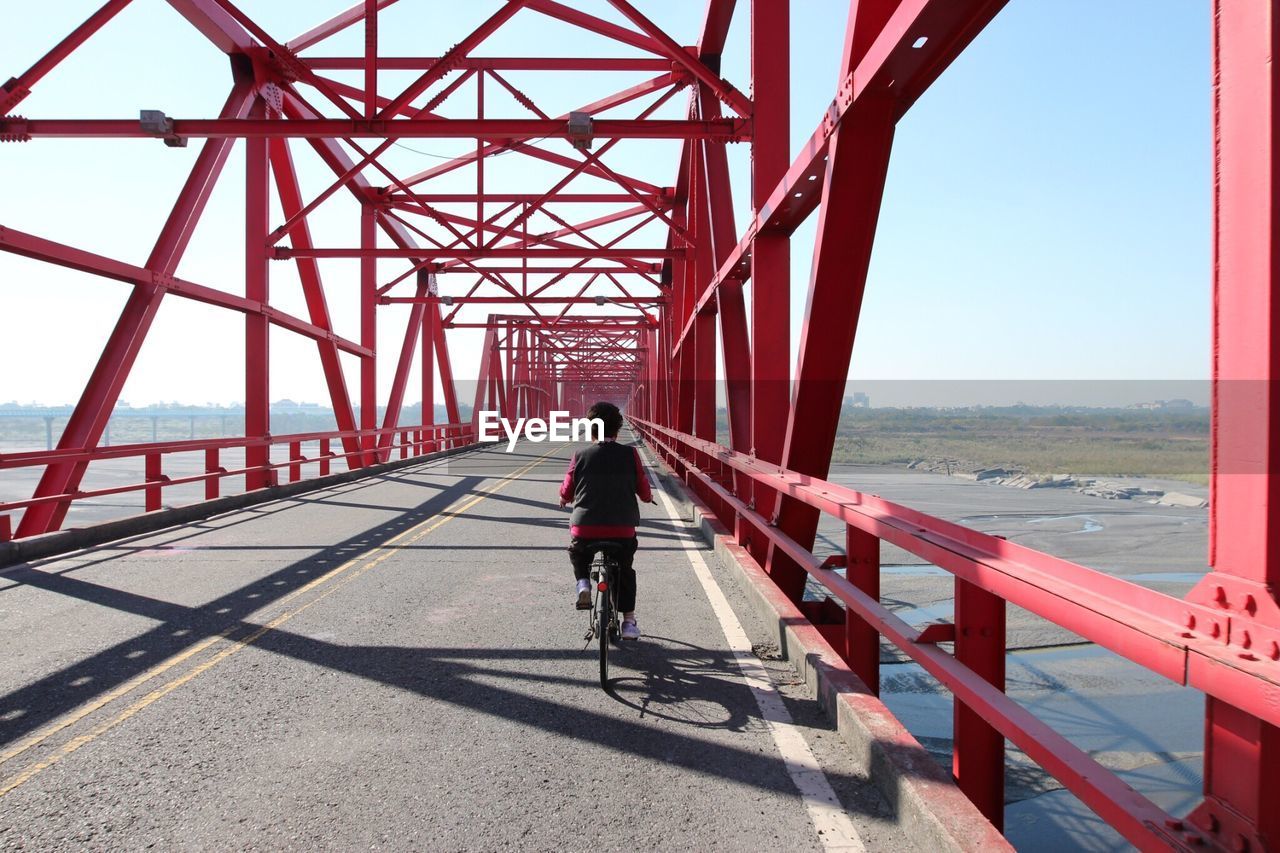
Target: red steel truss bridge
x: 640, y: 301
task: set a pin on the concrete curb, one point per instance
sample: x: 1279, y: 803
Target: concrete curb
x: 924, y: 797
x: 76, y: 538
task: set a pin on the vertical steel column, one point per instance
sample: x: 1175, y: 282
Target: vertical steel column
x: 771, y: 251
x: 212, y: 468
x: 257, y: 328
x: 445, y: 368
x: 722, y: 233
x: 368, y: 333
x: 861, y: 640
x: 370, y: 58
x: 480, y: 402
x: 401, y: 379
x: 977, y: 747
x: 704, y: 325
x: 857, y: 162
x: 430, y: 322
x: 1242, y: 753
x: 154, y: 477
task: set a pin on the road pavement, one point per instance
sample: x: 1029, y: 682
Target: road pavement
x: 395, y: 663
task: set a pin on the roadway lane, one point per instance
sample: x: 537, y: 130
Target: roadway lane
x: 393, y: 663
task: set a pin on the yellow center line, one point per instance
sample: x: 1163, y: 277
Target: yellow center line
x: 387, y: 548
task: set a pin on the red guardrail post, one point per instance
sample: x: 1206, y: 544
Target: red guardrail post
x: 6, y: 529
x: 156, y: 476
x: 324, y: 457
x: 212, y: 482
x: 978, y: 750
x: 861, y: 640
x: 404, y: 444
x: 295, y: 461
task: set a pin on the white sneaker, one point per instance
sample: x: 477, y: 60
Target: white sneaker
x: 630, y: 630
x: 584, y: 595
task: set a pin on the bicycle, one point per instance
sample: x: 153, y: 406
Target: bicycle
x: 603, y: 620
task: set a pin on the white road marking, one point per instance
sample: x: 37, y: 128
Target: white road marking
x: 835, y: 830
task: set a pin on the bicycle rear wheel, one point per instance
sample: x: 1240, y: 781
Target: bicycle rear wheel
x: 605, y: 616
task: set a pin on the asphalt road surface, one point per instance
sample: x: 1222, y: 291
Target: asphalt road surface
x: 396, y: 664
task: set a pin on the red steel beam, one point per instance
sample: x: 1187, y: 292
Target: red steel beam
x: 335, y: 25
x: 48, y: 251
x: 1242, y: 739
x: 504, y: 198
x: 722, y: 89
x: 575, y: 270
x: 15, y: 89
x: 596, y: 25
x: 770, y: 251
x: 257, y: 333
x: 563, y: 251
x: 395, y: 399
x: 368, y: 331
x: 730, y: 305
x: 548, y: 300
x: 724, y: 130
x: 493, y: 63
x: 216, y: 24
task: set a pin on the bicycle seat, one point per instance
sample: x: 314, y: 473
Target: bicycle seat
x: 613, y: 549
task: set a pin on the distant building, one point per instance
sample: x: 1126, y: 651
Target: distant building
x: 1178, y: 403
x: 859, y: 400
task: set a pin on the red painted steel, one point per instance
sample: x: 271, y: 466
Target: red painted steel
x: 664, y: 313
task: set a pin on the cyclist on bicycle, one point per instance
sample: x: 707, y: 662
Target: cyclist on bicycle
x: 602, y: 484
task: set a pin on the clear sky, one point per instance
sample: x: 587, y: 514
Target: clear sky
x: 1047, y: 214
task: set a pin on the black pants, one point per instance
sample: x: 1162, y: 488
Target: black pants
x: 581, y: 553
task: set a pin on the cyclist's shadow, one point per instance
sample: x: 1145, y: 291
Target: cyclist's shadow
x: 683, y: 683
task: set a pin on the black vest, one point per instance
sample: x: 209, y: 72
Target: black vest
x: 604, y: 486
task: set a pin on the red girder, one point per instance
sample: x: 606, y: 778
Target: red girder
x: 722, y: 130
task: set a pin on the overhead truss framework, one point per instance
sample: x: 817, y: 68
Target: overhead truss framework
x: 605, y: 285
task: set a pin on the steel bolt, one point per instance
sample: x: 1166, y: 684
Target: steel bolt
x: 1190, y: 621
x: 1274, y: 654
x: 1216, y: 630
x: 1245, y: 640
x: 1220, y: 595
x: 1250, y: 605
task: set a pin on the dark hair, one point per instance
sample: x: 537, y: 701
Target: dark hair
x: 609, y: 415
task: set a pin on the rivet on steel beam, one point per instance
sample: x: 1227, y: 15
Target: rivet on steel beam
x: 1220, y: 596
x: 1190, y: 620
x: 1216, y: 630
x: 1174, y: 824
x: 1245, y: 640
x: 1241, y: 844
x: 1274, y: 654
x: 1250, y: 605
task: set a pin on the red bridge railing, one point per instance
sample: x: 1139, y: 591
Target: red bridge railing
x: 370, y: 447
x: 1200, y: 645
